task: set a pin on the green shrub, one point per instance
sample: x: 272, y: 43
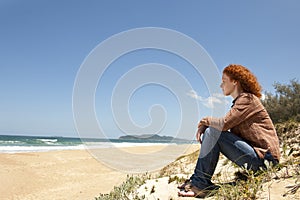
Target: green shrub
x: 285, y: 104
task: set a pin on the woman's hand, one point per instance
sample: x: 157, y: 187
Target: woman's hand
x: 201, y: 130
x: 202, y: 125
x: 204, y: 122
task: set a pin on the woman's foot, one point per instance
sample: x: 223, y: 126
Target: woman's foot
x: 186, y: 194
x: 193, y: 192
x: 186, y: 185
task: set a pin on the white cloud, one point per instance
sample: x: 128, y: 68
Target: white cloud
x: 263, y: 97
x: 209, y: 102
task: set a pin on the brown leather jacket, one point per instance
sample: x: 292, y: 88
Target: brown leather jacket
x: 248, y: 119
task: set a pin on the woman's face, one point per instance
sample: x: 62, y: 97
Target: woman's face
x: 227, y: 85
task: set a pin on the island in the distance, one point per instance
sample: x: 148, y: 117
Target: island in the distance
x: 153, y: 138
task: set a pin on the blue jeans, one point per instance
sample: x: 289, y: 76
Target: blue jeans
x: 230, y: 145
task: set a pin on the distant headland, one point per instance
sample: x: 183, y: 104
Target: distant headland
x: 152, y: 138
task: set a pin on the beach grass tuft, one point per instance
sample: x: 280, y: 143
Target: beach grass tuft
x: 126, y: 190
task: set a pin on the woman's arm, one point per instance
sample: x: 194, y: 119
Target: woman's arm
x: 245, y: 106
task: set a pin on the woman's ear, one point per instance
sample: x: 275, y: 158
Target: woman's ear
x: 235, y: 82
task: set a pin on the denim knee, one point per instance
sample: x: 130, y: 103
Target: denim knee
x: 212, y: 132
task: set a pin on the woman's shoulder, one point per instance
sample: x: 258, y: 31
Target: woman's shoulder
x: 246, y: 98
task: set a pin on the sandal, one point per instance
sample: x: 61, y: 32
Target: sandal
x: 186, y: 185
x: 194, y: 192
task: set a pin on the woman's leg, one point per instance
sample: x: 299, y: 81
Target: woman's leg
x: 232, y: 146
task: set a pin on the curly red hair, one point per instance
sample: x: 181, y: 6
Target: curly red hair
x: 245, y: 77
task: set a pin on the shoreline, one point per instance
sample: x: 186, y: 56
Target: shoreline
x: 40, y: 148
x: 68, y: 174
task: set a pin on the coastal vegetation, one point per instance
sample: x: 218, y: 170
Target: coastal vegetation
x: 284, y: 105
x: 234, y: 182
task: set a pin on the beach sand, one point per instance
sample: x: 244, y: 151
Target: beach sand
x: 70, y: 174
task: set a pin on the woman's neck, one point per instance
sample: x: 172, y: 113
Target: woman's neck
x: 238, y: 90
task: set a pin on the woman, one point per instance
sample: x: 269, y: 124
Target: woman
x: 245, y: 135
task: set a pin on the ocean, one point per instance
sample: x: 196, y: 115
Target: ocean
x: 21, y: 144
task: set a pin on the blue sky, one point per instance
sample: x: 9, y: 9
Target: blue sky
x: 43, y: 43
